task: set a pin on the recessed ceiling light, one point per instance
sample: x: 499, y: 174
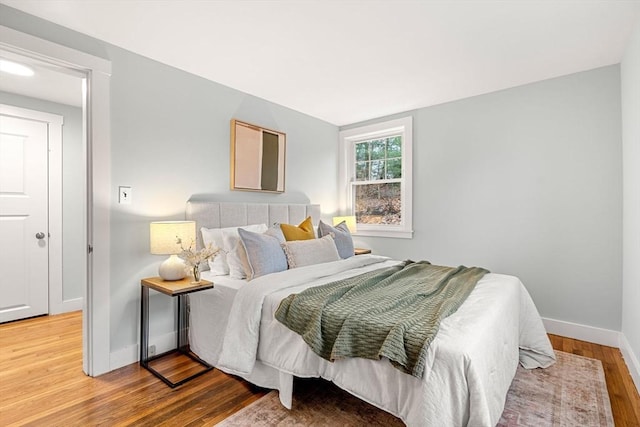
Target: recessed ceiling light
x: 15, y: 68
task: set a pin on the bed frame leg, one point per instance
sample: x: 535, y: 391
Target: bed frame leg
x: 286, y: 389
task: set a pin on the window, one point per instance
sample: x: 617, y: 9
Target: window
x: 375, y: 177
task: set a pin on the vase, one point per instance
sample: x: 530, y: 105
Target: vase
x: 196, y: 273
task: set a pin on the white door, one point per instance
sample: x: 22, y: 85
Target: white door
x: 24, y: 253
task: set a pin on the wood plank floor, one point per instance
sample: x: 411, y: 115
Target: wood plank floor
x: 42, y: 384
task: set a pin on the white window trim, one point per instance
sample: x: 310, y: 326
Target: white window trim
x: 346, y: 172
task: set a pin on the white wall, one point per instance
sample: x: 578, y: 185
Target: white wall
x: 526, y: 181
x: 74, y: 270
x: 630, y: 73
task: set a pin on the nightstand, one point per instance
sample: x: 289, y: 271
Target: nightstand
x: 180, y: 289
x: 361, y: 251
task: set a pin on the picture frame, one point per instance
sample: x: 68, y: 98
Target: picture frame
x: 258, y: 157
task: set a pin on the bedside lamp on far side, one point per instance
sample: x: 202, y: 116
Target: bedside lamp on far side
x: 163, y: 240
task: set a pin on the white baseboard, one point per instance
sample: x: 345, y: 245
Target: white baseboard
x: 66, y: 306
x: 598, y: 336
x: 631, y: 360
x: 72, y: 304
x: 581, y: 332
x: 131, y: 354
x: 123, y: 357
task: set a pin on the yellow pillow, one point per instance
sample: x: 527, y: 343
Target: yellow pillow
x: 304, y: 231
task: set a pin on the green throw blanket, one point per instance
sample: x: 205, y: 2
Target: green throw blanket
x: 393, y: 312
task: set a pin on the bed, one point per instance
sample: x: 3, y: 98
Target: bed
x: 469, y: 365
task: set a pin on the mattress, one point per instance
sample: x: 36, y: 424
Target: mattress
x: 470, y: 363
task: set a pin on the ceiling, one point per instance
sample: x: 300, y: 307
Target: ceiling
x: 353, y: 60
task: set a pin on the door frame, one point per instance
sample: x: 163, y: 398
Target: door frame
x: 54, y: 199
x: 97, y: 133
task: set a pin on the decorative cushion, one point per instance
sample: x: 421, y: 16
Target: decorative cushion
x: 307, y: 252
x: 304, y: 231
x: 236, y: 257
x: 341, y: 235
x: 276, y: 231
x: 263, y: 253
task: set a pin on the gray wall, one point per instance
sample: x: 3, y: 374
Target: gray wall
x: 170, y: 139
x: 526, y: 181
x: 630, y: 70
x: 73, y: 220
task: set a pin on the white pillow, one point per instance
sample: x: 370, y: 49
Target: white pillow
x: 307, y: 252
x: 219, y: 265
x: 236, y: 254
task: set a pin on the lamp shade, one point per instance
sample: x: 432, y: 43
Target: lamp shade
x: 164, y: 235
x: 349, y: 220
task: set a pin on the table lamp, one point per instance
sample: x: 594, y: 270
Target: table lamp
x: 165, y: 238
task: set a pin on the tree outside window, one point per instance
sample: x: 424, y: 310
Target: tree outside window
x: 378, y: 165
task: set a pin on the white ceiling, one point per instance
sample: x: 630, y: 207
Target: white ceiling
x: 352, y: 60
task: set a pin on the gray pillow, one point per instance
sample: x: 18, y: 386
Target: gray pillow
x: 264, y: 254
x: 341, y: 235
x: 276, y: 231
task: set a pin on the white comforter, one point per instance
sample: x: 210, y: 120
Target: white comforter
x: 470, y: 363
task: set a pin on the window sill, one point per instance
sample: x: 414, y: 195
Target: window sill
x: 396, y: 234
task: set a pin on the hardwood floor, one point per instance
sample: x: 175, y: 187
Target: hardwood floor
x: 42, y: 384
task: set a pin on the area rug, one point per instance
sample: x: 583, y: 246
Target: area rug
x: 572, y: 392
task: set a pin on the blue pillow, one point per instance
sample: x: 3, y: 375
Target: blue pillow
x: 341, y: 236
x: 264, y: 254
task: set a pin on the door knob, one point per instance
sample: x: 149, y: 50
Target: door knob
x: 40, y: 235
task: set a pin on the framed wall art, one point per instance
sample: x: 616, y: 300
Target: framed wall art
x: 257, y: 158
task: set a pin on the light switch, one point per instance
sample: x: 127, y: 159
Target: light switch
x: 125, y: 196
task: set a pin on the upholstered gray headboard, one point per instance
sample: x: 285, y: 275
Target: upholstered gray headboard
x: 212, y: 214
